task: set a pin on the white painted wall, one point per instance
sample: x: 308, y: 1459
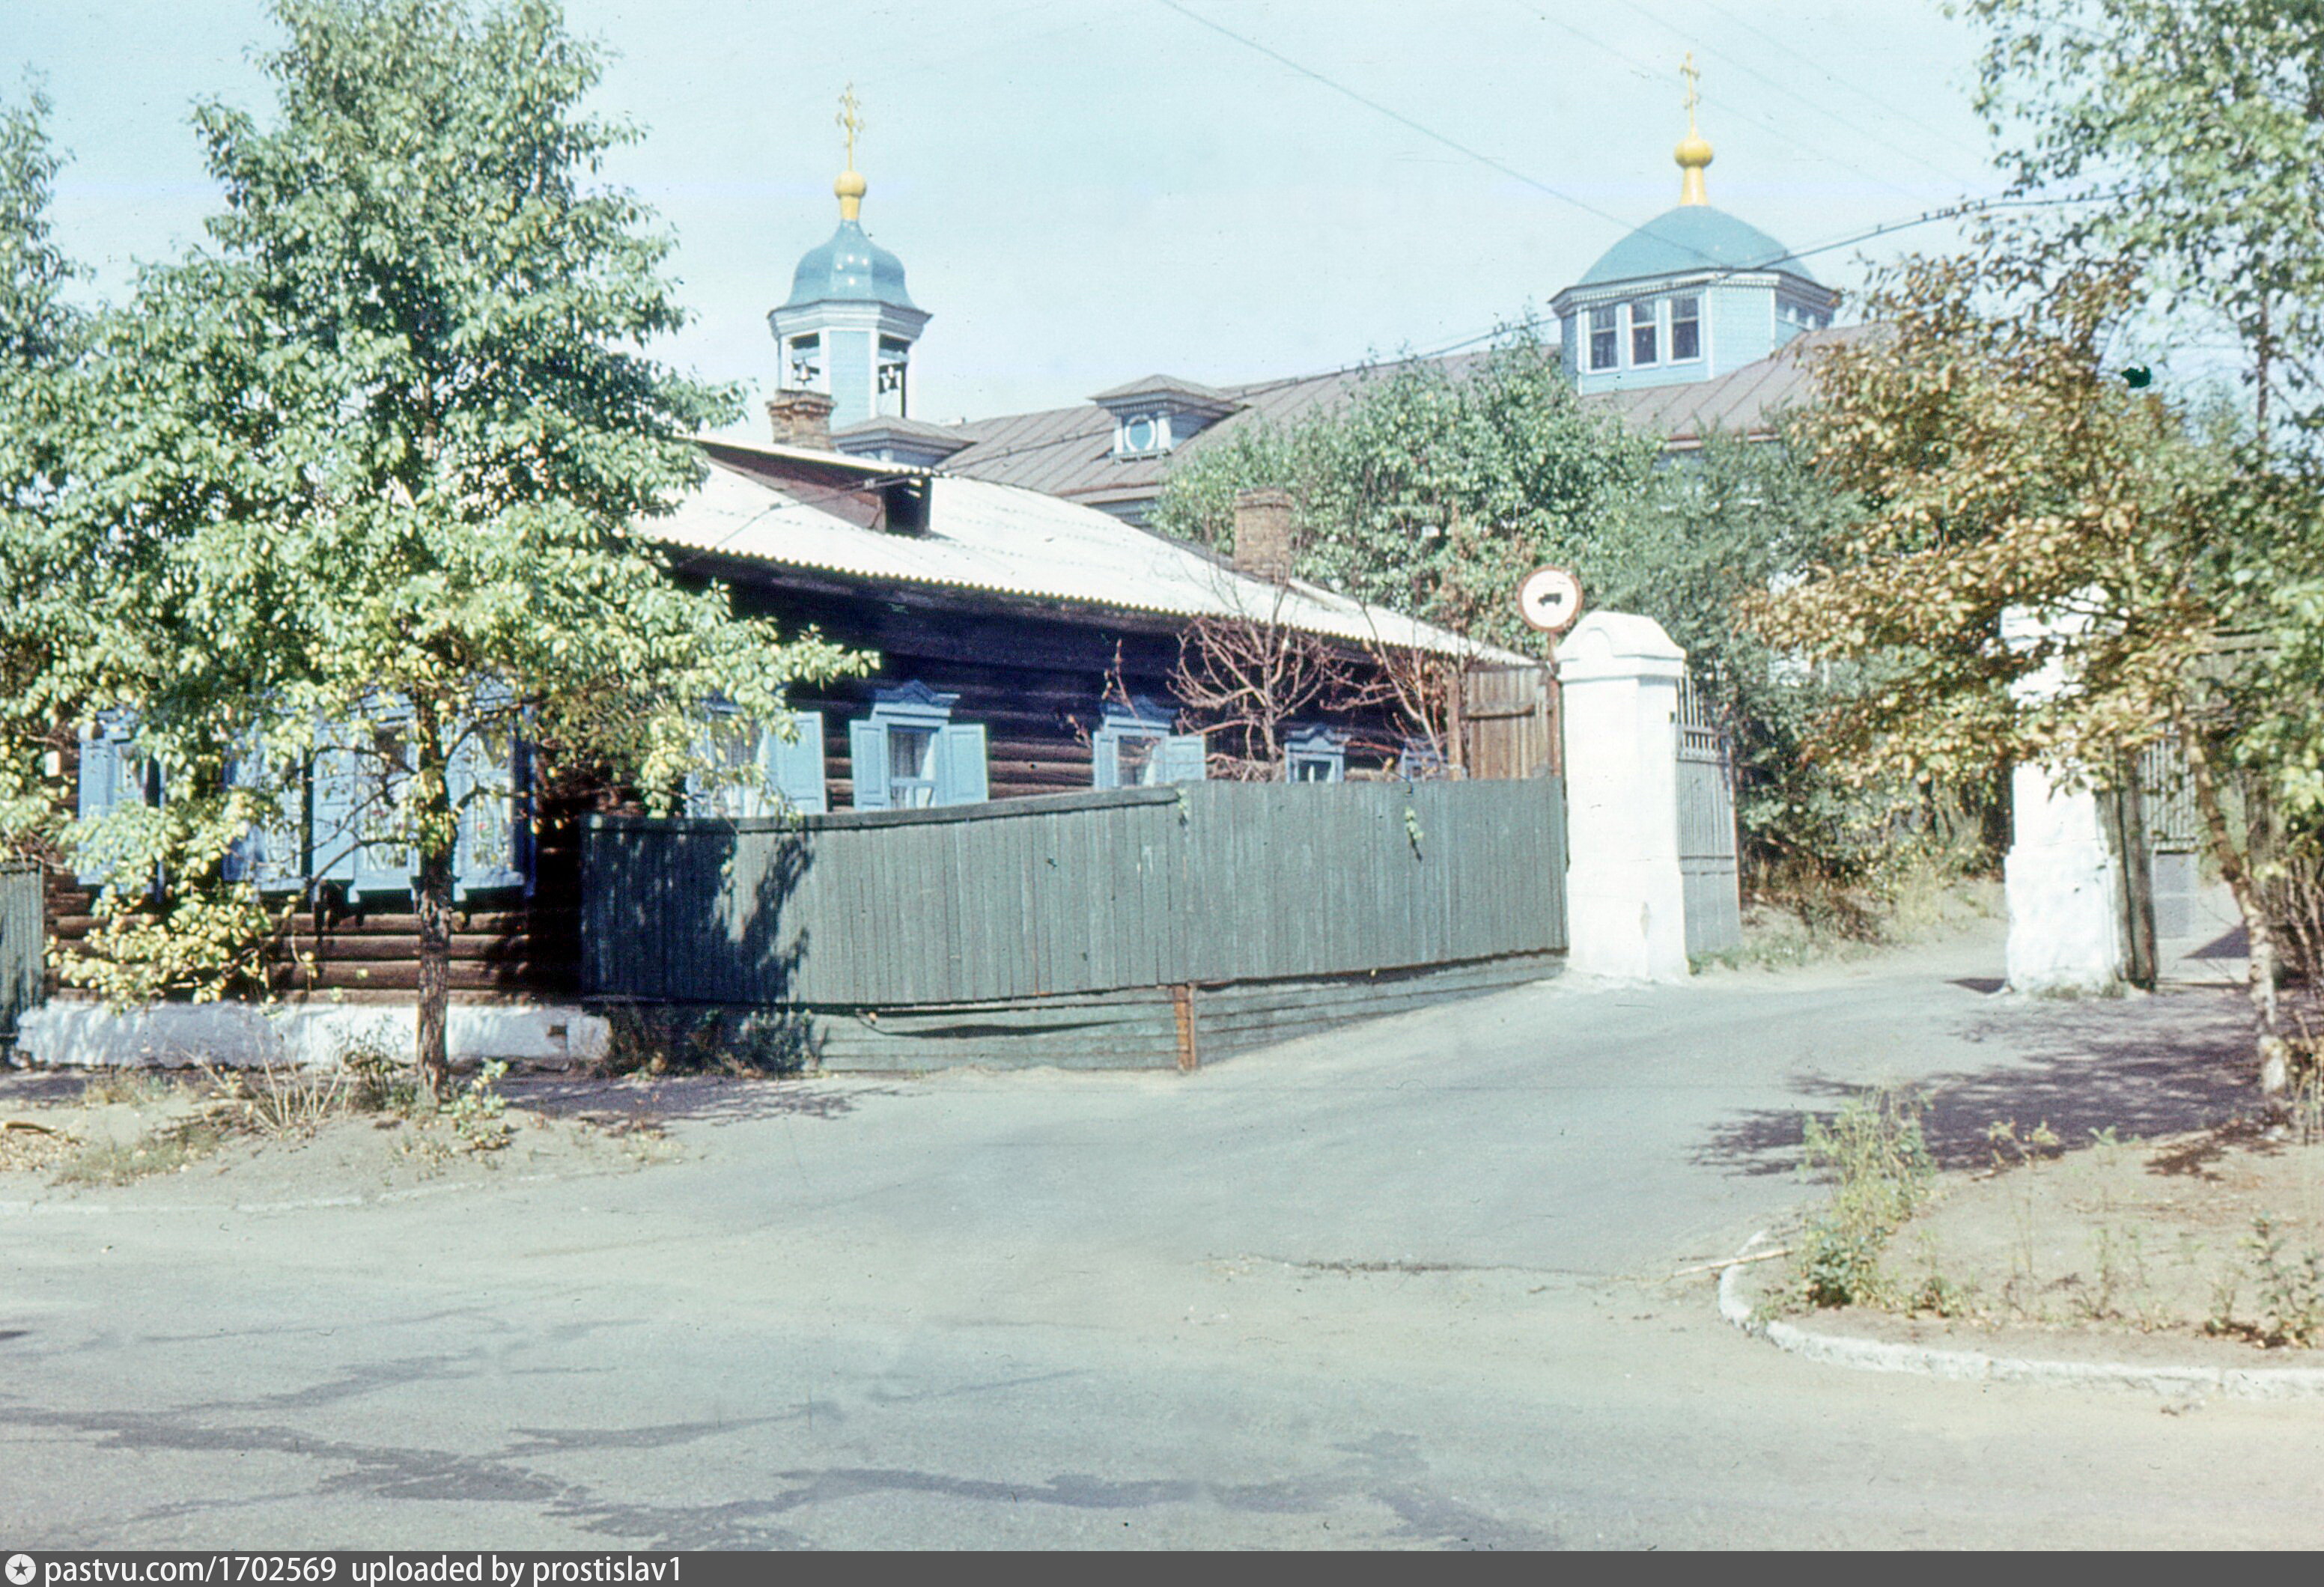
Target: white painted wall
x: 1626, y: 903
x: 2060, y: 879
x: 2064, y: 891
x: 234, y: 1034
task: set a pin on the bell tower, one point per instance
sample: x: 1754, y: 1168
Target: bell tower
x: 848, y: 327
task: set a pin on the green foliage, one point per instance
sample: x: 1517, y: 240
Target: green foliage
x: 41, y: 566
x: 2169, y: 144
x: 1441, y: 484
x: 1437, y: 488
x: 1878, y: 1159
x: 475, y: 1112
x: 2204, y: 113
x: 2291, y: 1288
x: 376, y: 454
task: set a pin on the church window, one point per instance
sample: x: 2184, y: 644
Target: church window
x: 1603, y: 334
x: 1645, y: 342
x: 806, y: 370
x: 1686, y: 328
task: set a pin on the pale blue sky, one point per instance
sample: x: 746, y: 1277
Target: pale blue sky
x: 1082, y: 193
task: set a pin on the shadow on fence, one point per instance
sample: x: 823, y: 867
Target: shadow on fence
x: 1075, y: 929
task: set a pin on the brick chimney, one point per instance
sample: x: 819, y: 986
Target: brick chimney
x: 1262, y: 534
x: 801, y: 419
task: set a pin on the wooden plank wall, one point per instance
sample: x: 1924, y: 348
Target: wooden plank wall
x: 1509, y: 716
x: 1208, y: 883
x: 513, y: 943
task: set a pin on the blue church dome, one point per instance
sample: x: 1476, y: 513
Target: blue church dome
x: 1692, y: 238
x: 851, y: 268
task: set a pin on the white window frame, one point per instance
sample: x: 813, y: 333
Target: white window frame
x: 1645, y: 315
x: 1696, y: 320
x: 1313, y: 745
x: 1611, y: 330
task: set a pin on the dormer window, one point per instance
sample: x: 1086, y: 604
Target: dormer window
x: 804, y: 367
x: 1141, y: 434
x: 1160, y: 413
x: 1646, y: 345
x: 1686, y: 328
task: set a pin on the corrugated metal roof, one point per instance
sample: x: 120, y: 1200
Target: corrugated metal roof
x: 1008, y: 540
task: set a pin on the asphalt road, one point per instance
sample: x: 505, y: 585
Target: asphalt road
x: 1406, y: 1285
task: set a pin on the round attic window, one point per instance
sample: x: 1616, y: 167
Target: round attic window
x: 1141, y: 434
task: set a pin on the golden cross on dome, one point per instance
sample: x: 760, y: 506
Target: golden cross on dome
x: 851, y: 121
x: 1693, y: 86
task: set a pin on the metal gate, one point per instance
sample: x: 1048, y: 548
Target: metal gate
x: 1706, y: 829
x: 24, y: 939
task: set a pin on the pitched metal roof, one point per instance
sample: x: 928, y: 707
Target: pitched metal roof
x: 1742, y: 402
x: 1011, y: 542
x: 1069, y: 451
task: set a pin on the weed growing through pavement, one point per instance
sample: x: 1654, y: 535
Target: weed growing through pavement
x: 474, y: 1114
x: 1936, y: 1292
x: 2291, y: 1288
x: 2025, y: 1151
x: 167, y: 1148
x: 1878, y: 1161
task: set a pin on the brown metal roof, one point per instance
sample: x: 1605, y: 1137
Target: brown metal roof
x: 1069, y: 451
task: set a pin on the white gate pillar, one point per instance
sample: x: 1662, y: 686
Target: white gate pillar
x: 2060, y: 877
x: 1625, y: 901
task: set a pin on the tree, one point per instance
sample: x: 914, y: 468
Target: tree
x: 2007, y: 471
x: 2177, y: 136
x: 40, y: 562
x: 1437, y: 488
x: 1441, y: 484
x: 372, y: 462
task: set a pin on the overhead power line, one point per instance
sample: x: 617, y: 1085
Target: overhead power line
x: 1887, y: 109
x: 1648, y: 71
x: 1865, y: 134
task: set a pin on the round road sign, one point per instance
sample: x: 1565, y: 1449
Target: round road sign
x: 1550, y: 599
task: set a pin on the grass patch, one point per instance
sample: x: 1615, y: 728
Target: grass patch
x: 1801, y: 927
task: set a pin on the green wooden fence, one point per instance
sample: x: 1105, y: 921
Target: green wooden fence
x: 1202, y: 884
x: 24, y: 941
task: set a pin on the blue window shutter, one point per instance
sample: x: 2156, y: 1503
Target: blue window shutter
x: 484, y: 777
x: 708, y: 793
x: 333, y: 846
x: 794, y: 769
x: 867, y: 756
x: 1184, y: 758
x: 103, y: 764
x: 961, y: 778
x: 382, y: 865
x: 1105, y: 758
x: 267, y: 855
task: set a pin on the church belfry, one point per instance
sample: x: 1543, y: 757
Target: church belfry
x: 848, y: 327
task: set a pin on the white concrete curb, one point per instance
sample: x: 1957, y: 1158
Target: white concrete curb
x: 1873, y: 1355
